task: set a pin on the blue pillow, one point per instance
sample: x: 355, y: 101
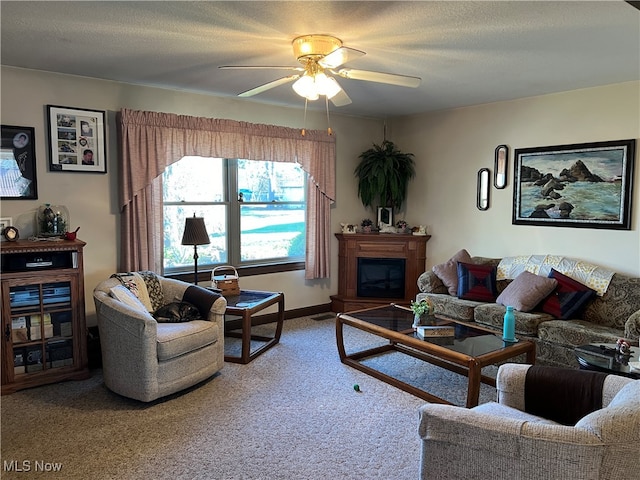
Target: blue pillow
x: 477, y: 282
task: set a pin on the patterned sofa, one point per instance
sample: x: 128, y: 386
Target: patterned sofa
x: 605, y: 318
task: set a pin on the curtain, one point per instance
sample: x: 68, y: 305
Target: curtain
x: 150, y: 141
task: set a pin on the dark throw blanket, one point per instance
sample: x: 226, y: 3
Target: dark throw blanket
x: 562, y: 395
x: 201, y: 298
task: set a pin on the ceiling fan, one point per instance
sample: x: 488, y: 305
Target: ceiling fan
x: 319, y: 55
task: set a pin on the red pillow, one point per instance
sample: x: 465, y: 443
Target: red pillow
x: 568, y: 299
x: 477, y: 282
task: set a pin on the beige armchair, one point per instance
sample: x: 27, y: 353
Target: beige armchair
x: 500, y: 440
x: 145, y: 359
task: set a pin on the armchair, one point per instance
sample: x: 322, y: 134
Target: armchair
x: 145, y: 359
x: 501, y: 440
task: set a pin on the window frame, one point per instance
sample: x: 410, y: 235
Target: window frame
x: 230, y: 200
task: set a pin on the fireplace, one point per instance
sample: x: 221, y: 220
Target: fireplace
x: 381, y: 277
x: 392, y: 264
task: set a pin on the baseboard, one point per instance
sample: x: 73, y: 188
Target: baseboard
x: 288, y: 314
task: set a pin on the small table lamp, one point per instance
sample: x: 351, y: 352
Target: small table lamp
x: 195, y: 233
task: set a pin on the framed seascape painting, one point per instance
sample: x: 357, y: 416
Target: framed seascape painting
x: 585, y: 185
x: 18, y: 164
x: 76, y: 140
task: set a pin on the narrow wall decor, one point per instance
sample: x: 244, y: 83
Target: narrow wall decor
x: 501, y: 166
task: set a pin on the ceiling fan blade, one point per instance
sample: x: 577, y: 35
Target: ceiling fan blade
x: 261, y: 67
x: 341, y: 99
x: 389, y: 78
x: 268, y: 86
x: 340, y: 56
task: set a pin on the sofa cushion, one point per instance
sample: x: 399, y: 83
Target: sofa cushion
x: 450, y: 307
x: 175, y: 339
x: 476, y: 282
x: 527, y: 323
x: 572, y: 333
x: 448, y: 271
x: 568, y: 299
x: 526, y: 291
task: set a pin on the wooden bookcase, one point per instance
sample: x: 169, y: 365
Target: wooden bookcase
x: 43, y: 313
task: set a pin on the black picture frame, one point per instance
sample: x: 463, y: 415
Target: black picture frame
x: 483, y: 189
x: 587, y: 185
x: 385, y: 216
x: 77, y: 140
x: 501, y: 166
x: 18, y: 175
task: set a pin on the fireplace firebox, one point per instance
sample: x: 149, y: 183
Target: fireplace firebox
x: 381, y: 277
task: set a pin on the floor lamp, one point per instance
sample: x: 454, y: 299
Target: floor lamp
x: 195, y: 233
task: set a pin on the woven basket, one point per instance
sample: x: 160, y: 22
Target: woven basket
x: 227, y: 283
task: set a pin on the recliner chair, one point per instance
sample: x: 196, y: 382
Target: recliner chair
x: 502, y: 440
x: 144, y: 359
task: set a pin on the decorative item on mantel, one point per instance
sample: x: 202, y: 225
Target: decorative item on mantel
x: 367, y: 225
x: 348, y: 227
x: 402, y: 227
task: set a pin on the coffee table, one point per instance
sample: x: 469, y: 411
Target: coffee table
x: 471, y: 348
x: 602, y: 357
x: 245, y: 305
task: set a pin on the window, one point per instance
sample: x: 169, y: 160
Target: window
x: 254, y: 212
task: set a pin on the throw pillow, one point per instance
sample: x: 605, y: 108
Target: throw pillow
x: 448, y: 271
x: 122, y: 293
x: 176, y: 312
x: 477, y: 282
x: 526, y: 291
x: 568, y: 299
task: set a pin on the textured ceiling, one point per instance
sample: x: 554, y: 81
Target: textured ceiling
x: 466, y: 53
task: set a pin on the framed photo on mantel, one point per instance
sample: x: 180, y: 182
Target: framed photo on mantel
x: 76, y: 140
x: 385, y: 216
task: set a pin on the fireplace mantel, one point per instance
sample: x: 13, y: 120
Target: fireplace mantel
x: 413, y: 248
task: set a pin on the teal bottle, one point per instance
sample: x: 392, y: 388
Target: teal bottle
x: 509, y: 327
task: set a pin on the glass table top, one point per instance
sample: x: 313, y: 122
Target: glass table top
x: 467, y: 339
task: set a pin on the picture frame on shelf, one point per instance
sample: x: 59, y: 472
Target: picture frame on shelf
x: 4, y: 223
x: 501, y: 166
x: 77, y: 140
x: 18, y: 180
x: 385, y: 216
x: 586, y: 185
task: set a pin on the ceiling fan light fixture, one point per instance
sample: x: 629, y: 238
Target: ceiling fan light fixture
x: 307, y: 46
x: 327, y: 85
x: 306, y: 87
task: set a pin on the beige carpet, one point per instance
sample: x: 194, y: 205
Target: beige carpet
x: 290, y: 414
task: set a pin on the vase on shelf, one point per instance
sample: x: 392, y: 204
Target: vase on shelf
x: 52, y: 220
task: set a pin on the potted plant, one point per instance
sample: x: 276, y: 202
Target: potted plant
x: 367, y: 225
x: 383, y: 175
x: 421, y: 310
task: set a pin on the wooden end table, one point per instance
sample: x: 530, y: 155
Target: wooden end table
x: 245, y: 305
x: 472, y: 348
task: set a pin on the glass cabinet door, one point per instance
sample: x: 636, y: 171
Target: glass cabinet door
x: 41, y: 326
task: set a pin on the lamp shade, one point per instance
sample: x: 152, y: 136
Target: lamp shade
x: 195, y: 232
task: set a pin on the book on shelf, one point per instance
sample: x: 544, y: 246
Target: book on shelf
x: 428, y: 332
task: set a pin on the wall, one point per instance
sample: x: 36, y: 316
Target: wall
x: 92, y: 199
x: 451, y: 146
